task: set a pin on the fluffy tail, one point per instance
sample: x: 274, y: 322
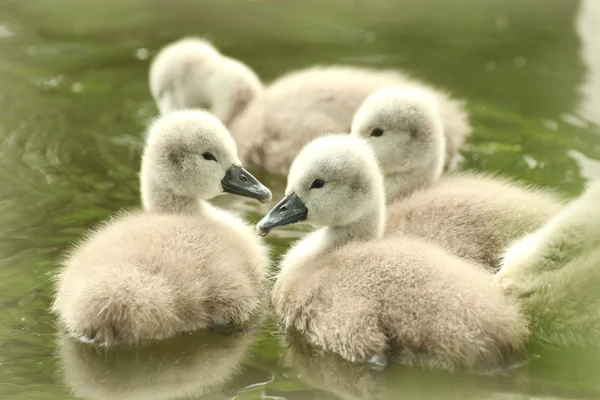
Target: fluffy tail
x: 555, y: 274
x: 123, y: 308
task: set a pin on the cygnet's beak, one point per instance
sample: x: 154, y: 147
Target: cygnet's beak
x: 241, y: 182
x: 288, y: 211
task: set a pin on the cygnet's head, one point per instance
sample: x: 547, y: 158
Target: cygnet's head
x: 404, y: 128
x: 191, y: 154
x: 333, y: 181
x: 192, y: 73
x: 172, y: 64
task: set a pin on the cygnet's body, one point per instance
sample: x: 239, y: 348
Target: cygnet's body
x: 473, y: 216
x: 302, y: 105
x: 352, y: 293
x: 180, y: 264
x: 272, y: 124
x: 555, y: 274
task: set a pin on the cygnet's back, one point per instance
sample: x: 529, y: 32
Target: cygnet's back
x: 305, y: 104
x: 403, y: 297
x: 554, y: 273
x: 150, y: 276
x: 474, y: 216
x: 349, y: 292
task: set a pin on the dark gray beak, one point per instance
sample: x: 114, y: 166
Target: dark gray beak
x: 288, y: 211
x: 241, y: 182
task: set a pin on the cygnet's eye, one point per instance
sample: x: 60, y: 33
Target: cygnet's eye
x: 208, y: 156
x: 317, y: 184
x: 376, y: 132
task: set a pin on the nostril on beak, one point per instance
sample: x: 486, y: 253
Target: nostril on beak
x: 243, y: 178
x: 283, y: 208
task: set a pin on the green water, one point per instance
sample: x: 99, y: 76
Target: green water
x: 74, y: 100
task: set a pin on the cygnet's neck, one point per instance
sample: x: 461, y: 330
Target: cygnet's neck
x: 402, y: 180
x: 164, y: 200
x: 400, y: 184
x: 369, y: 226
x: 229, y: 103
x: 238, y: 87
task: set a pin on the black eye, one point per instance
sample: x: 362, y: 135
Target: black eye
x: 317, y: 184
x: 208, y: 156
x: 376, y: 132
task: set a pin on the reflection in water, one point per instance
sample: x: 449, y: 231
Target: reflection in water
x: 587, y: 25
x: 330, y: 373
x: 190, y: 365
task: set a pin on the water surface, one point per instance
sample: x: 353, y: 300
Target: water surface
x: 74, y: 100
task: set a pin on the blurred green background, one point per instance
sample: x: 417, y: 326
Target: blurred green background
x: 74, y: 100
